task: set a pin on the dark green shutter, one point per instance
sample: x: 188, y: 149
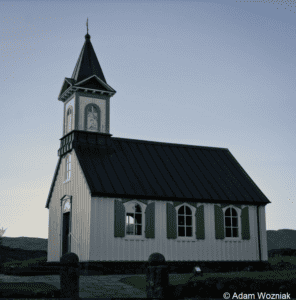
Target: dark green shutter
x: 150, y: 220
x: 219, y: 222
x: 119, y: 219
x: 171, y: 222
x: 245, y: 224
x: 200, y: 223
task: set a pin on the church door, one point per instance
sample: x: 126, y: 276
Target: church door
x: 66, y: 233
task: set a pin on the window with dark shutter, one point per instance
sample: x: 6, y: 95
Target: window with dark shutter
x: 200, y: 223
x: 219, y: 222
x: 150, y: 220
x: 171, y: 222
x: 245, y: 224
x: 119, y: 219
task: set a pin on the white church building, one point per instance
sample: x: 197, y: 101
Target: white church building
x: 116, y: 199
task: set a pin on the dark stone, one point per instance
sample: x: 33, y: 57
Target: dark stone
x: 69, y: 275
x: 156, y: 259
x: 157, y: 279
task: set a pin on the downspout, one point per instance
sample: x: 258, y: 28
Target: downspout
x: 259, y: 242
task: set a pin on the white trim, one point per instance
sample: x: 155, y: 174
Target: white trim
x: 239, y: 215
x: 127, y: 206
x: 63, y: 200
x: 99, y: 79
x: 193, y: 210
x: 67, y: 179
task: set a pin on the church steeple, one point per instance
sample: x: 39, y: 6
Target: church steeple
x: 86, y: 97
x: 87, y: 63
x: 87, y: 75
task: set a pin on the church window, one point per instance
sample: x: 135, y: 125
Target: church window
x: 231, y: 223
x: 134, y: 220
x: 68, y: 167
x: 69, y: 120
x: 92, y: 118
x: 185, y: 221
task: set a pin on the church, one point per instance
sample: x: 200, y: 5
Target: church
x: 120, y: 200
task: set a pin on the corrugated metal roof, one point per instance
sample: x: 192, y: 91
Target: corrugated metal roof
x: 164, y: 171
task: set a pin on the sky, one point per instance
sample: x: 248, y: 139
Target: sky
x: 206, y: 73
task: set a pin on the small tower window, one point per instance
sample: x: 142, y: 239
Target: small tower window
x: 184, y: 221
x: 68, y: 167
x: 231, y: 223
x: 92, y: 118
x: 69, y: 119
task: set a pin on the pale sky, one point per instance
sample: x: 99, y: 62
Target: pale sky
x: 206, y: 73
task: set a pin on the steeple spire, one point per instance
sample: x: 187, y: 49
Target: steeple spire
x: 87, y: 36
x: 87, y: 64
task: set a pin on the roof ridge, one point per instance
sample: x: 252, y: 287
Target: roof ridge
x: 166, y: 143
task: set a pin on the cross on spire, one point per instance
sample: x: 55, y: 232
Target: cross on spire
x: 87, y: 25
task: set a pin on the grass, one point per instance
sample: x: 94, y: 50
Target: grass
x: 139, y: 281
x: 26, y: 263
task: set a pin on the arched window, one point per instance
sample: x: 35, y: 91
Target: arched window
x: 231, y: 223
x: 68, y: 167
x: 69, y: 120
x: 134, y: 220
x: 92, y: 118
x: 184, y: 221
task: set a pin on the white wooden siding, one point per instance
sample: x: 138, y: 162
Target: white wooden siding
x: 80, y: 212
x: 105, y: 247
x: 263, y: 235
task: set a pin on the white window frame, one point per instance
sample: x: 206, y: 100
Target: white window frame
x: 67, y: 171
x: 238, y: 211
x: 69, y: 119
x: 193, y: 210
x: 129, y: 209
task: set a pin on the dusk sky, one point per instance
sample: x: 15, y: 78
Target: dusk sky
x: 206, y: 73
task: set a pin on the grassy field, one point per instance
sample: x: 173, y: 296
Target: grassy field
x: 139, y: 281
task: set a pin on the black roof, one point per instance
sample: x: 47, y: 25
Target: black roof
x: 87, y: 63
x: 87, y: 75
x: 164, y: 171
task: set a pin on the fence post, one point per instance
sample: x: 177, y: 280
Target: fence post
x: 69, y: 276
x: 157, y: 276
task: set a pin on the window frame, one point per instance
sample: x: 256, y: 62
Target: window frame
x: 193, y: 210
x: 238, y: 211
x: 86, y: 116
x: 69, y: 116
x: 129, y: 209
x: 67, y: 171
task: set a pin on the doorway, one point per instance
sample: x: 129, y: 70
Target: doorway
x: 66, y: 233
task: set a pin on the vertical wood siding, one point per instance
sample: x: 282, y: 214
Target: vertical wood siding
x: 80, y: 214
x: 263, y: 235
x: 105, y: 247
